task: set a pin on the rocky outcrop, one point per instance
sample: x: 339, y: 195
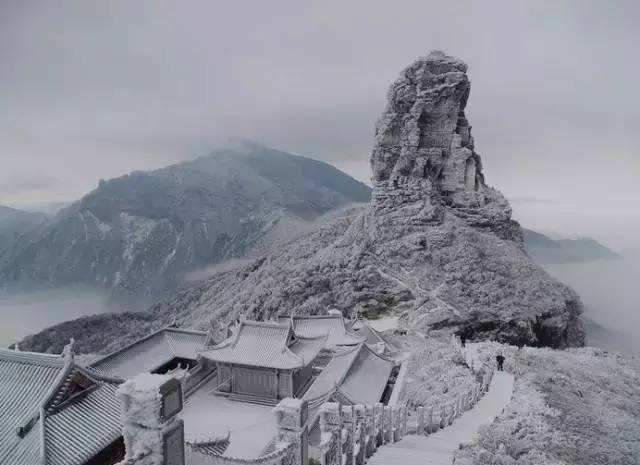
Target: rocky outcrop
x: 435, y: 245
x: 424, y: 156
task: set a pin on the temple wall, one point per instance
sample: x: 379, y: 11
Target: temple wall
x: 285, y: 382
x: 254, y: 381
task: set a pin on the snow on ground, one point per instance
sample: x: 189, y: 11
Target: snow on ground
x: 251, y: 426
x: 439, y: 448
x: 570, y: 407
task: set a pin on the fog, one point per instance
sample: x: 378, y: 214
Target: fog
x: 609, y: 290
x: 29, y: 312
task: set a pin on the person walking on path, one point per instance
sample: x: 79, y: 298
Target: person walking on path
x: 500, y: 360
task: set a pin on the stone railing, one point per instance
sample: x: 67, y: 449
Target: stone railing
x: 285, y: 454
x: 434, y: 417
x: 349, y: 435
x: 431, y: 418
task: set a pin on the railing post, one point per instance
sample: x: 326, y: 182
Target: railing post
x: 331, y: 434
x: 404, y: 418
x: 152, y: 433
x: 291, y: 415
x: 452, y: 415
x: 348, y: 431
x: 420, y: 413
x: 378, y: 422
x: 396, y: 413
x: 429, y: 420
x: 387, y: 427
x: 371, y: 430
x: 360, y: 434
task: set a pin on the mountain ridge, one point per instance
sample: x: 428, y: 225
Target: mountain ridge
x: 546, y: 250
x: 138, y: 234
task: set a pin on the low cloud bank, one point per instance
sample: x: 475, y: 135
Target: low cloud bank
x: 29, y: 312
x: 609, y: 290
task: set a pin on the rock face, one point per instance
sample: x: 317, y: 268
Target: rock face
x: 424, y: 154
x: 138, y: 235
x: 435, y: 244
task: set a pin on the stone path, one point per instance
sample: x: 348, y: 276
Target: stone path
x: 438, y: 448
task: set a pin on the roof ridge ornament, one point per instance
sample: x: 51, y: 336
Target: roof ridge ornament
x: 67, y: 352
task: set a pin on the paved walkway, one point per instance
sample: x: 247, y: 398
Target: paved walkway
x: 438, y: 448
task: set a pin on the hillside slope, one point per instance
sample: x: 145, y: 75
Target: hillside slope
x: 139, y: 234
x: 572, y: 407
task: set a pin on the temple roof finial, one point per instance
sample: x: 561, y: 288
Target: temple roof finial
x: 67, y: 352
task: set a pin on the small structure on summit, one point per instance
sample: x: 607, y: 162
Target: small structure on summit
x: 264, y: 360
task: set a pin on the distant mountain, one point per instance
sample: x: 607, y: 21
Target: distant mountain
x: 138, y: 235
x: 545, y: 250
x: 16, y: 223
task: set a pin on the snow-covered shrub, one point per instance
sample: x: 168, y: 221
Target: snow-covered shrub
x: 437, y: 374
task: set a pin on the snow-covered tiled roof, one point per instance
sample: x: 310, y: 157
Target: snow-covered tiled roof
x: 372, y: 337
x: 266, y: 344
x: 315, y: 325
x: 153, y: 351
x: 367, y: 377
x: 359, y: 373
x: 45, y: 419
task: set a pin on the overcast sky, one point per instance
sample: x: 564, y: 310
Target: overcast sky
x: 95, y: 89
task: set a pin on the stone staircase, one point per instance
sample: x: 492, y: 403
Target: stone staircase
x: 438, y: 448
x: 253, y: 399
x: 413, y: 450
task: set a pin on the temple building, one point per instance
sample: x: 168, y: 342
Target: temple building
x: 56, y: 412
x: 264, y: 361
x: 333, y: 325
x: 161, y: 352
x: 355, y: 375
